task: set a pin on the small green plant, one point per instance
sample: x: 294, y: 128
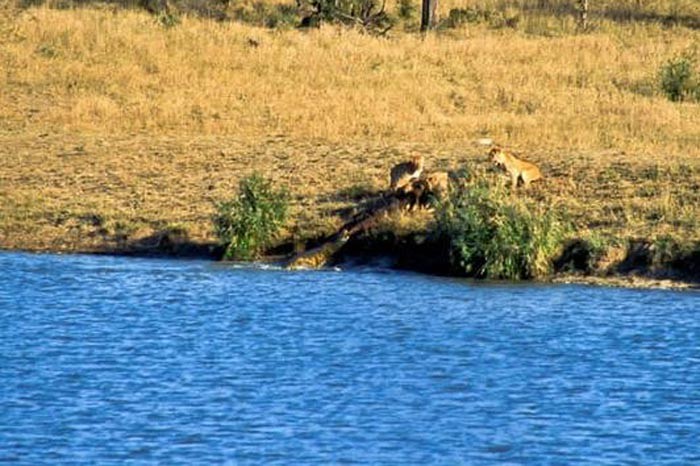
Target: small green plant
x: 167, y: 19
x: 247, y: 224
x: 665, y: 249
x: 406, y: 9
x: 458, y: 17
x: 165, y: 13
x: 598, y: 246
x: 261, y: 13
x: 47, y: 51
x: 493, y: 234
x: 678, y: 78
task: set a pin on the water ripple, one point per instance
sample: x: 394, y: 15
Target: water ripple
x: 111, y: 360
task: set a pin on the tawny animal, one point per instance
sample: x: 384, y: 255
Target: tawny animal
x: 428, y: 188
x: 403, y: 174
x: 519, y: 170
x: 438, y: 183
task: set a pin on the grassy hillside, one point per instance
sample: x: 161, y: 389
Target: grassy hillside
x: 113, y: 127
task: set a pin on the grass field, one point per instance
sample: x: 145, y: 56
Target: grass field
x: 114, y: 128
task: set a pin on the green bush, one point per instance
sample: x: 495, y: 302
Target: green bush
x: 247, y: 224
x: 494, y: 234
x: 406, y: 9
x: 458, y: 17
x: 168, y: 19
x: 678, y: 80
x: 265, y: 14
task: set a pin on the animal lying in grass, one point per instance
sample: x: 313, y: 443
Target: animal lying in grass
x: 519, y: 170
x: 403, y: 174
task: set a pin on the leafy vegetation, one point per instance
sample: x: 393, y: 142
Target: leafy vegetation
x: 496, y: 235
x: 406, y: 9
x: 495, y: 18
x: 261, y: 13
x: 168, y: 19
x: 247, y: 224
x: 679, y: 78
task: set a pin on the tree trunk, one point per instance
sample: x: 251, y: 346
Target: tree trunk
x: 428, y: 15
x: 583, y: 14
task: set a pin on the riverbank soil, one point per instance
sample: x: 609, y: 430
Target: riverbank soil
x: 118, y: 134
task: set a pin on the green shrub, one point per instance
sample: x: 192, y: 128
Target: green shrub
x: 678, y: 80
x: 494, y: 234
x: 47, y: 51
x: 265, y: 14
x: 458, y: 17
x: 168, y: 19
x: 406, y: 9
x: 247, y: 224
x: 665, y: 249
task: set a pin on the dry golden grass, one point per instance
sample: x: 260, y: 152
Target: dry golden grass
x: 112, y: 126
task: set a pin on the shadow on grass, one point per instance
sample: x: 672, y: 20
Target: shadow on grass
x: 262, y: 13
x: 166, y: 244
x: 616, y: 13
x: 627, y: 15
x: 259, y: 13
x: 663, y: 258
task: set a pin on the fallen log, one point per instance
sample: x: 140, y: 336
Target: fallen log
x: 419, y: 194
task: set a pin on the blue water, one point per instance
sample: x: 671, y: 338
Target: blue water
x: 109, y: 360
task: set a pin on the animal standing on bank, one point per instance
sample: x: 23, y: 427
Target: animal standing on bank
x: 403, y: 174
x: 519, y: 170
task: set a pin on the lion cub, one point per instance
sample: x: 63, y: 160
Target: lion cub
x: 518, y: 169
x: 438, y: 183
x: 404, y: 173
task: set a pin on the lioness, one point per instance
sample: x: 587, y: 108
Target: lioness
x: 404, y: 173
x: 518, y: 169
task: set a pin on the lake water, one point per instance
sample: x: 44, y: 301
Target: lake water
x: 108, y: 360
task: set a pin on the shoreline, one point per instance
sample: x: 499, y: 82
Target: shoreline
x: 398, y: 253
x: 123, y: 140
